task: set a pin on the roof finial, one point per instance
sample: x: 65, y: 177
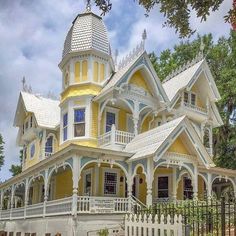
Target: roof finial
x: 202, y: 47
x: 144, y: 37
x: 116, y: 56
x: 23, y: 81
x: 88, y: 6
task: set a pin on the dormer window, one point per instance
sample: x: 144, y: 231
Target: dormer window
x: 190, y: 98
x: 79, y: 122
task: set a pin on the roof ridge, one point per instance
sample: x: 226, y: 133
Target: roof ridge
x: 184, y: 67
x: 38, y: 95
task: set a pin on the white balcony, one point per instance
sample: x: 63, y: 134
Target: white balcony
x: 85, y: 205
x: 115, y: 139
x: 193, y: 111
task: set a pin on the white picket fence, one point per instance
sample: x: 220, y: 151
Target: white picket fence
x: 138, y: 225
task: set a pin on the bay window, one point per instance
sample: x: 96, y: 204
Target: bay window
x: 65, y: 126
x: 79, y: 122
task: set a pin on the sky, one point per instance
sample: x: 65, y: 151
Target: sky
x: 32, y: 33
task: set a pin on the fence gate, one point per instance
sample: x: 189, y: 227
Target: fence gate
x: 152, y: 225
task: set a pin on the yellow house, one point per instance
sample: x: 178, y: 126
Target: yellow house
x: 117, y: 139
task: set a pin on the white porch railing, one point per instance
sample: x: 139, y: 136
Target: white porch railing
x: 193, y: 107
x: 85, y: 205
x: 139, y: 225
x: 115, y: 137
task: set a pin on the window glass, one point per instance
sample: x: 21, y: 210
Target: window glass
x: 110, y: 120
x: 26, y: 125
x: 163, y: 187
x: 31, y: 121
x: 110, y: 183
x: 88, y: 184
x: 193, y: 99
x: 188, y: 188
x: 49, y: 145
x: 65, y: 124
x: 185, y: 97
x: 32, y: 150
x: 79, y: 122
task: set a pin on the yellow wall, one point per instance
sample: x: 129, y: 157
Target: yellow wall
x: 77, y: 72
x: 88, y: 143
x: 142, y: 186
x: 200, y: 187
x: 145, y: 124
x: 84, y: 70
x: 63, y: 184
x: 180, y: 190
x: 95, y: 71
x: 30, y: 162
x: 79, y: 90
x: 196, y: 91
x: 94, y: 126
x: 138, y: 80
x: 102, y: 72
x: 178, y: 147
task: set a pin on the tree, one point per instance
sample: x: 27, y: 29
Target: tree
x: 1, y: 151
x: 177, y: 12
x: 17, y: 169
x: 221, y: 57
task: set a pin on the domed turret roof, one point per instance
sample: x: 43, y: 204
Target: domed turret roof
x: 87, y: 32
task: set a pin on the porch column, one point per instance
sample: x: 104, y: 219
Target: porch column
x: 26, y: 196
x: 46, y: 190
x: 209, y: 186
x: 1, y: 203
x: 150, y: 173
x: 12, y: 200
x: 135, y: 120
x: 174, y: 185
x: 195, y: 183
x: 136, y: 117
x: 75, y: 178
x: 129, y: 187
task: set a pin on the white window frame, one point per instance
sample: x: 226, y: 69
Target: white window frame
x: 109, y: 170
x: 86, y: 172
x: 189, y: 97
x: 67, y: 126
x: 169, y: 184
x: 111, y: 110
x: 74, y: 123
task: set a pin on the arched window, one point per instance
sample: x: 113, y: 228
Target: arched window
x: 49, y: 146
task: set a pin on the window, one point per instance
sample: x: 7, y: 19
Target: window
x: 18, y: 234
x: 193, y: 99
x: 79, y: 122
x: 26, y: 125
x: 32, y: 150
x: 110, y: 120
x: 31, y: 121
x: 87, y: 184
x: 65, y: 125
x: 185, y: 97
x: 23, y: 129
x: 25, y: 152
x: 188, y: 188
x: 110, y: 183
x: 49, y: 145
x: 11, y: 233
x: 163, y: 187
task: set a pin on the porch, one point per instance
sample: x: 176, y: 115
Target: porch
x: 85, y: 205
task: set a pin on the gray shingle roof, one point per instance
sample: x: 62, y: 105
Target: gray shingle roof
x: 87, y: 32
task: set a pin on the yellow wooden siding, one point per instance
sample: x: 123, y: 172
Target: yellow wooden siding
x: 63, y: 184
x: 87, y: 143
x: 102, y: 129
x: 122, y: 120
x: 198, y: 101
x: 200, y: 187
x: 180, y: 190
x: 95, y: 71
x: 80, y: 90
x: 94, y: 126
x: 178, y: 146
x: 77, y: 72
x: 102, y: 72
x: 142, y: 185
x: 84, y: 71
x: 138, y: 80
x: 145, y: 124
x: 32, y: 161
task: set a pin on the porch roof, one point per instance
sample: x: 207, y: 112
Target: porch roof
x: 154, y: 143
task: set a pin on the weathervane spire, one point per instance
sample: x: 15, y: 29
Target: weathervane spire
x: 88, y: 6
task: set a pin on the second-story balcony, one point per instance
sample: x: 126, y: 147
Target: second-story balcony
x: 115, y: 139
x: 193, y: 111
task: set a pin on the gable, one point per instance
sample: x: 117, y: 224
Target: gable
x: 178, y: 147
x: 138, y: 80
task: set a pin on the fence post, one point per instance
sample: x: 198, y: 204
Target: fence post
x: 223, y: 216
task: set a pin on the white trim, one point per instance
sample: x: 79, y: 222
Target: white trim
x: 128, y: 116
x: 109, y: 170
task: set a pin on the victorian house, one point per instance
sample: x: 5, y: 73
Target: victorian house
x: 117, y: 139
